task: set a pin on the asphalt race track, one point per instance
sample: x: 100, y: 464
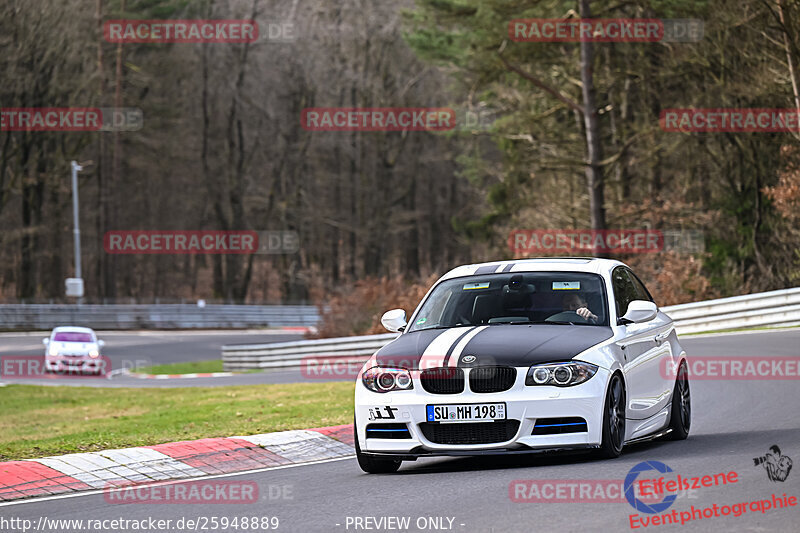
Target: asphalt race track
x: 145, y: 348
x: 733, y: 422
x: 152, y: 347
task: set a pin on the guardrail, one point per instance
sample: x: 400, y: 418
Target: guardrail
x: 775, y: 308
x: 170, y: 316
x: 291, y: 354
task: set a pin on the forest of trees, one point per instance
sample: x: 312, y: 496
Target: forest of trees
x: 573, y: 142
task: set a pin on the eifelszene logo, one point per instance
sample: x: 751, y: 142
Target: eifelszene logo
x: 637, y: 503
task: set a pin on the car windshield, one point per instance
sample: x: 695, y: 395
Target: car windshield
x: 72, y: 336
x: 518, y: 298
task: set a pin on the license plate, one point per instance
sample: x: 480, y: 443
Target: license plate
x: 466, y: 412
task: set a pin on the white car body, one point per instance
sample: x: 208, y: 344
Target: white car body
x: 73, y: 349
x: 640, y: 352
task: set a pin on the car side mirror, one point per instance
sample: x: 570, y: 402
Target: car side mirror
x: 100, y: 343
x: 394, y: 320
x: 46, y: 341
x: 640, y: 311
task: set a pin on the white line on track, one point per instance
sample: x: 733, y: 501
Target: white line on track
x: 172, y: 481
x: 745, y: 332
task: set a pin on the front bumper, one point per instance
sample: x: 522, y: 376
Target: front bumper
x: 77, y: 364
x: 524, y: 403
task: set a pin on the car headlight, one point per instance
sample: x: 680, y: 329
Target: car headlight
x: 560, y: 374
x: 53, y: 350
x: 94, y: 354
x: 381, y: 379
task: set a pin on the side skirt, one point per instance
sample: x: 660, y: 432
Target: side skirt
x: 648, y: 438
x: 638, y: 429
x: 414, y: 455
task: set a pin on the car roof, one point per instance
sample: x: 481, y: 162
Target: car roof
x: 591, y: 265
x: 72, y: 329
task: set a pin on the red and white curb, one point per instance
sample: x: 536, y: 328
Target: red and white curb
x: 175, y: 460
x: 298, y: 329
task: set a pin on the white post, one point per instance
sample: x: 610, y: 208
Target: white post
x: 76, y: 230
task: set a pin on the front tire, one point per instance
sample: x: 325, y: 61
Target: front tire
x: 373, y: 465
x: 613, y: 419
x: 680, y: 420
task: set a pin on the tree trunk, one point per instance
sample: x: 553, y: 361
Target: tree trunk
x: 594, y: 171
x: 104, y: 272
x: 116, y: 164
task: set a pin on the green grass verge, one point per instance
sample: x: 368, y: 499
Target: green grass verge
x: 191, y: 367
x: 38, y: 421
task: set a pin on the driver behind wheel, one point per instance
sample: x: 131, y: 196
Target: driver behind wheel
x: 576, y: 303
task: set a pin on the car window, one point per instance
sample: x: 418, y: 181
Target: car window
x: 72, y: 336
x: 641, y: 291
x: 515, y: 298
x: 433, y: 317
x: 624, y: 290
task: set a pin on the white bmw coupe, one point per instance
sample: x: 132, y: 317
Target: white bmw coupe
x: 521, y: 356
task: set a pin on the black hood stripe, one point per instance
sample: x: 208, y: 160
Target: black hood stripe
x: 438, y: 349
x: 459, y: 351
x: 498, y: 344
x: 453, y: 346
x: 519, y: 345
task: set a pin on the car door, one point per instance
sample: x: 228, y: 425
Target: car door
x: 644, y: 347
